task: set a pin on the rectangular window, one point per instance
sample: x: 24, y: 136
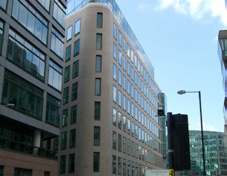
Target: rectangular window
x: 119, y: 142
x: 119, y: 58
x: 72, y: 142
x: 124, y: 102
x: 128, y: 68
x: 57, y: 42
x: 128, y: 108
x: 128, y: 50
x: 128, y: 87
x: 132, y: 91
x: 53, y: 110
x: 124, y: 144
x: 3, y: 4
x: 132, y: 75
x: 129, y: 125
x: 115, y: 51
x: 59, y: 13
x: 69, y: 33
x: 124, y: 82
x: 55, y: 144
x: 119, y: 120
x: 64, y: 117
x: 119, y: 98
x: 119, y: 37
x: 71, y: 163
x: 73, y: 114
x: 45, y: 4
x: 97, y: 110
x: 99, y: 20
x: 124, y: 44
x: 76, y: 47
x: 119, y: 77
x: 114, y: 72
x: 98, y: 41
x: 20, y: 171
x: 1, y: 31
x: 75, y: 69
x: 119, y: 166
x: 77, y: 27
x: 96, y: 161
x: 114, y: 138
x: 114, y: 169
x: 132, y: 55
x: 96, y: 136
x: 66, y: 95
x: 114, y: 117
x: 124, y: 167
x: 63, y: 140
x: 68, y: 53
x: 115, y: 31
x: 74, y: 91
x: 129, y: 147
x: 124, y: 63
x: 124, y: 124
x: 67, y: 74
x: 98, y: 64
x: 129, y: 170
x: 46, y: 173
x: 114, y: 94
x: 62, y: 164
x: 55, y: 76
x: 97, y: 86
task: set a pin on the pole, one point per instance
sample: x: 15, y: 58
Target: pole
x: 201, y: 119
x: 170, y: 124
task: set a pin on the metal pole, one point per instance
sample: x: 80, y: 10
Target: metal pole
x: 201, y: 119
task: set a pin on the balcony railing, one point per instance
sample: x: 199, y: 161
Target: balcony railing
x: 26, y: 149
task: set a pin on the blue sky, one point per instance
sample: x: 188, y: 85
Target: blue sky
x: 180, y: 37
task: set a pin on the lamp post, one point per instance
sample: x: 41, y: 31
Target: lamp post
x: 181, y: 92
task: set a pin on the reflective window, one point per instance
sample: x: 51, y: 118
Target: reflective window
x: 3, y: 4
x: 114, y: 117
x: 63, y: 140
x: 114, y: 94
x: 30, y: 19
x: 97, y: 86
x: 124, y: 102
x: 124, y: 124
x: 132, y: 91
x: 76, y: 47
x: 119, y: 120
x: 132, y: 109
x: 68, y: 53
x: 119, y: 38
x: 73, y: 117
x: 128, y: 68
x: 77, y: 27
x: 135, y: 78
x: 55, y: 75
x: 59, y: 13
x: 20, y: 171
x: 119, y: 142
x: 45, y: 4
x: 71, y: 164
x: 119, y: 98
x: 114, y: 138
x: 119, y: 57
x: 115, y: 31
x: 124, y: 44
x: 1, y: 35
x: 98, y: 64
x: 132, y: 55
x: 75, y: 69
x: 96, y: 136
x: 25, y: 55
x: 25, y: 97
x: 128, y: 87
x: 115, y: 51
x: 119, y: 77
x: 128, y: 50
x: 69, y: 33
x: 114, y: 72
x: 53, y: 110
x: 64, y: 117
x: 66, y: 95
x: 57, y: 42
x: 97, y: 113
x: 74, y: 91
x: 62, y: 164
x: 99, y: 20
x: 98, y: 41
x: 72, y: 138
x: 119, y: 166
x: 132, y: 71
x: 124, y: 63
x: 96, y: 161
x: 124, y: 82
x: 128, y: 108
x: 67, y: 74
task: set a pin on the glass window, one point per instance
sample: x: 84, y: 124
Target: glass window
x: 98, y: 41
x: 97, y: 112
x: 114, y: 169
x: 132, y: 75
x: 99, y: 20
x: 119, y: 120
x: 128, y: 50
x: 119, y: 77
x: 71, y: 163
x: 98, y: 64
x: 96, y: 162
x: 76, y: 47
x: 135, y: 78
x: 69, y: 33
x: 74, y: 91
x: 55, y: 144
x: 115, y: 31
x: 124, y: 82
x: 124, y: 102
x: 124, y: 167
x: 64, y: 117
x: 96, y: 136
x: 57, y: 43
x: 73, y: 117
x: 97, y: 86
x: 114, y: 117
x: 77, y: 27
x: 114, y: 72
x: 124, y: 63
x: 3, y: 4
x: 114, y: 94
x: 128, y: 68
x: 45, y: 4
x: 129, y: 147
x: 119, y: 142
x: 72, y: 141
x: 63, y: 140
x: 75, y: 69
x: 115, y: 51
x: 53, y: 110
x: 24, y: 55
x: 68, y: 53
x: 132, y: 91
x: 1, y: 32
x: 62, y: 164
x: 129, y: 170
x: 128, y: 87
x: 128, y: 108
x: 25, y: 97
x: 67, y: 74
x: 124, y: 124
x: 59, y: 13
x: 132, y: 55
x: 55, y: 75
x: 132, y: 109
x: 136, y: 95
x: 124, y: 44
x: 119, y: 98
x: 66, y: 95
x: 119, y: 58
x: 114, y: 140
x: 20, y: 171
x: 119, y: 37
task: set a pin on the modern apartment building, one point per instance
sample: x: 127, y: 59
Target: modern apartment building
x: 31, y: 59
x: 214, y: 153
x: 110, y: 99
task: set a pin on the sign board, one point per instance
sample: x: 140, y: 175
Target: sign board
x: 161, y: 172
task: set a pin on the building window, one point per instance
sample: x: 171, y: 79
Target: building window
x: 75, y: 69
x: 46, y: 173
x: 124, y: 167
x: 97, y: 110
x: 1, y: 32
x: 124, y: 82
x: 129, y: 147
x: 98, y: 41
x: 129, y: 125
x: 59, y: 13
x: 124, y: 63
x: 114, y: 117
x: 31, y: 19
x: 20, y: 171
x: 119, y: 57
x: 53, y: 110
x: 57, y: 42
x: 115, y: 51
x: 128, y: 68
x: 97, y: 86
x: 119, y: 37
x: 124, y: 124
x: 24, y: 55
x: 99, y: 20
x: 72, y: 138
x: 73, y: 117
x: 74, y: 91
x: 119, y: 120
x: 119, y: 77
x: 124, y: 44
x: 114, y: 94
x: 128, y: 50
x: 76, y: 47
x: 96, y: 158
x: 67, y: 74
x: 119, y: 142
x: 129, y: 170
x: 119, y: 98
x: 96, y: 136
x: 128, y: 87
x: 55, y: 144
x: 115, y: 31
x: 114, y: 72
x: 66, y: 95
x: 69, y: 33
x: 64, y: 117
x: 63, y: 140
x: 25, y: 97
x: 132, y: 56
x: 3, y: 4
x: 114, y: 138
x: 55, y: 76
x: 62, y: 164
x: 68, y: 53
x: 77, y: 27
x: 124, y: 102
x: 71, y: 163
x: 119, y: 166
x: 98, y: 64
x: 114, y: 169
x: 45, y: 4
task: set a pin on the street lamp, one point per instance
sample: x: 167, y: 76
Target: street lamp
x: 181, y: 92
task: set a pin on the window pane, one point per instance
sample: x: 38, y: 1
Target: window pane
x: 98, y: 64
x: 66, y: 95
x: 20, y: 171
x: 69, y: 33
x: 98, y: 86
x: 72, y: 142
x: 62, y: 164
x: 114, y: 170
x: 67, y: 74
x: 64, y: 117
x: 98, y: 41
x: 115, y: 31
x: 114, y: 138
x: 96, y: 136
x: 114, y: 94
x: 68, y: 53
x: 71, y: 163
x: 96, y: 158
x: 74, y: 91
x: 99, y: 20
x: 75, y: 69
x: 77, y: 27
x: 73, y: 114
x: 63, y: 140
x: 53, y: 110
x: 97, y: 110
x: 76, y: 47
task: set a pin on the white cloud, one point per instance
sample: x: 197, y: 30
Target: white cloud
x: 197, y: 9
x: 206, y: 127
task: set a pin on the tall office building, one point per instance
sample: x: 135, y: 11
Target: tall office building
x: 110, y: 99
x: 31, y: 59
